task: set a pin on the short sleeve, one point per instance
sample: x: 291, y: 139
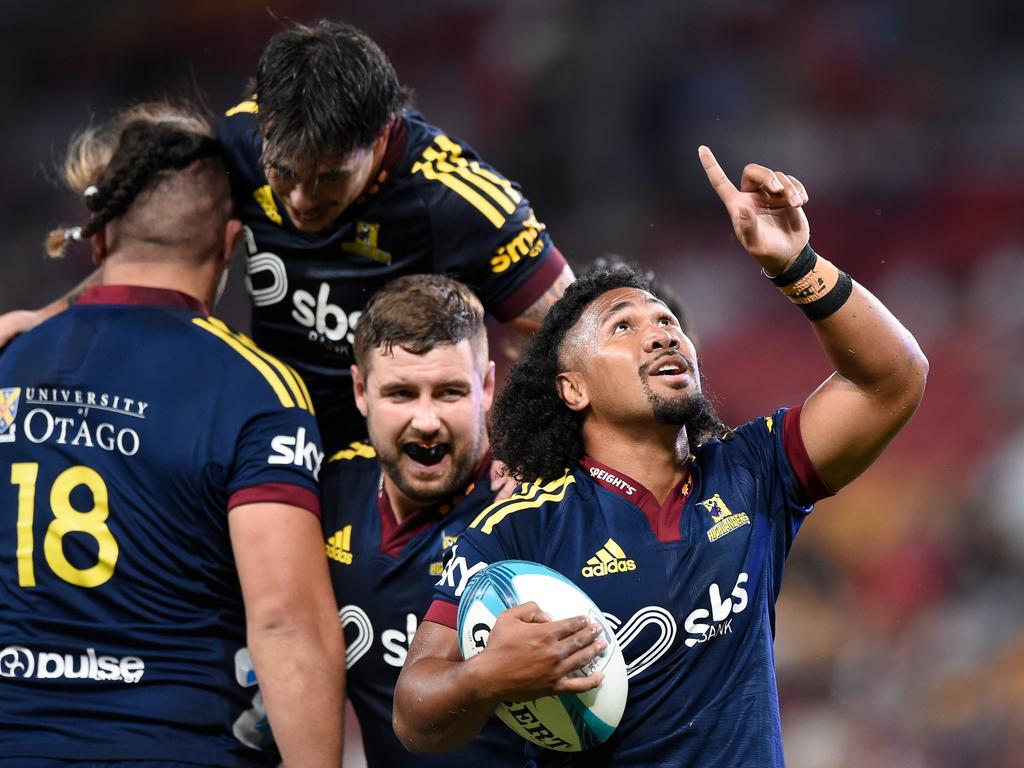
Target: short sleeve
x: 468, y: 556
x: 277, y: 459
x: 485, y: 232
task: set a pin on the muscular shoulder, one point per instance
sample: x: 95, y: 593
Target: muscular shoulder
x: 255, y: 377
x: 530, y: 507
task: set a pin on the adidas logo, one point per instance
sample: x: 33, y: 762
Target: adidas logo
x: 609, y: 559
x: 339, y: 546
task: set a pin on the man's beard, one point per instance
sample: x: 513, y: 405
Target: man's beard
x: 464, y: 461
x: 694, y: 411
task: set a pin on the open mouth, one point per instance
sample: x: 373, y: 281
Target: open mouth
x: 670, y: 366
x: 427, y: 455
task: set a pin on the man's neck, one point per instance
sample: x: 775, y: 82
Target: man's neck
x: 654, y: 456
x: 174, y: 276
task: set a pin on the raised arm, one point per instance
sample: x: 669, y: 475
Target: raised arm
x: 880, y: 370
x: 442, y: 701
x: 293, y: 632
x: 529, y: 321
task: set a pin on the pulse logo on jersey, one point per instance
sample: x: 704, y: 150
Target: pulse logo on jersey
x: 339, y: 546
x: 721, y: 613
x: 725, y: 521
x: 20, y: 662
x: 609, y: 559
x: 296, y: 450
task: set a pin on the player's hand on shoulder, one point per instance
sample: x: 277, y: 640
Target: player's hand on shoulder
x: 766, y: 211
x: 17, y: 322
x: 528, y: 655
x: 502, y: 482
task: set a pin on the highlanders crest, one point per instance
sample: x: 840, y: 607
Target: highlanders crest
x: 724, y: 519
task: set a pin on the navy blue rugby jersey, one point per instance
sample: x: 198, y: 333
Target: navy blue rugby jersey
x: 129, y: 426
x: 383, y: 574
x: 689, y: 587
x: 435, y: 207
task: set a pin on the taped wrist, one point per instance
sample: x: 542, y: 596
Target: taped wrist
x: 814, y: 284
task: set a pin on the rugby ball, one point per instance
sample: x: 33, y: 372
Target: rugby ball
x: 567, y: 722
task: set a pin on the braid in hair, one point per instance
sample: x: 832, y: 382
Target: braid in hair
x: 143, y: 151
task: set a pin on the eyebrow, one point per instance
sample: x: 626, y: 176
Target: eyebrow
x: 627, y: 304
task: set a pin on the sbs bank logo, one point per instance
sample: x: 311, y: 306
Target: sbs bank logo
x: 17, y: 661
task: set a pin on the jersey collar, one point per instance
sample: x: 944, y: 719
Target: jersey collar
x: 395, y: 535
x: 664, y: 518
x: 139, y: 295
x: 398, y: 133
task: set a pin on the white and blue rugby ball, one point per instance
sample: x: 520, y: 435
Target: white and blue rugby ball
x: 567, y: 722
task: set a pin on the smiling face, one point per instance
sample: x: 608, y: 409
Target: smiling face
x: 628, y: 362
x: 314, y: 195
x: 427, y: 418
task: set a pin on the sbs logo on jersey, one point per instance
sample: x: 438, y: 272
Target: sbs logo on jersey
x: 297, y: 451
x: 697, y: 624
x: 17, y: 661
x: 266, y: 279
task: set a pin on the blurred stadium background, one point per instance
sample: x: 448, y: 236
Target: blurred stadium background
x: 901, y: 622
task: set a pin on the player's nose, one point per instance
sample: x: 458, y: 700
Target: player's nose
x: 303, y: 198
x: 426, y: 419
x: 657, y: 337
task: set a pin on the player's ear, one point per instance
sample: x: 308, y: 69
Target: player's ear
x: 489, y: 386
x: 359, y: 389
x: 231, y: 232
x: 573, y: 390
x: 98, y: 241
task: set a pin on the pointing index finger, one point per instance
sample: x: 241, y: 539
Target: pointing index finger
x: 719, y: 181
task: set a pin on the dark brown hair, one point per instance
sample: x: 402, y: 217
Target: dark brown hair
x: 418, y: 313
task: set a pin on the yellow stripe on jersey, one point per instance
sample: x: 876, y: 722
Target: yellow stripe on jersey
x: 255, y: 360
x: 302, y: 386
x: 354, y: 450
x: 445, y: 163
x: 528, y: 491
x: 553, y: 491
x: 249, y: 107
x: 291, y: 378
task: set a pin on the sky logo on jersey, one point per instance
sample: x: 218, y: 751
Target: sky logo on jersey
x: 17, y: 661
x: 297, y: 451
x: 8, y: 412
x: 724, y: 519
x: 339, y: 546
x: 446, y: 543
x: 609, y: 559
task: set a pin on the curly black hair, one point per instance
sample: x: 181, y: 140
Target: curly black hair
x: 532, y: 431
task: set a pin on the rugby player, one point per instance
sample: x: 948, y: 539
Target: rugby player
x: 343, y: 187
x: 160, y: 502
x: 681, y: 544
x: 424, y: 382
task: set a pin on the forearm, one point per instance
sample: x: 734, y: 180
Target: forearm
x: 301, y: 670
x: 872, y: 350
x: 57, y: 306
x: 440, y: 705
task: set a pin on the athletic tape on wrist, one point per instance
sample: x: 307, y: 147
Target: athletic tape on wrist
x: 814, y: 284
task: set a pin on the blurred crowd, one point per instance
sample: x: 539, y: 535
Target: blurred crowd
x: 901, y: 622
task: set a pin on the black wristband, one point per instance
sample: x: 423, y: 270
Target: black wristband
x: 831, y: 301
x: 804, y: 263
